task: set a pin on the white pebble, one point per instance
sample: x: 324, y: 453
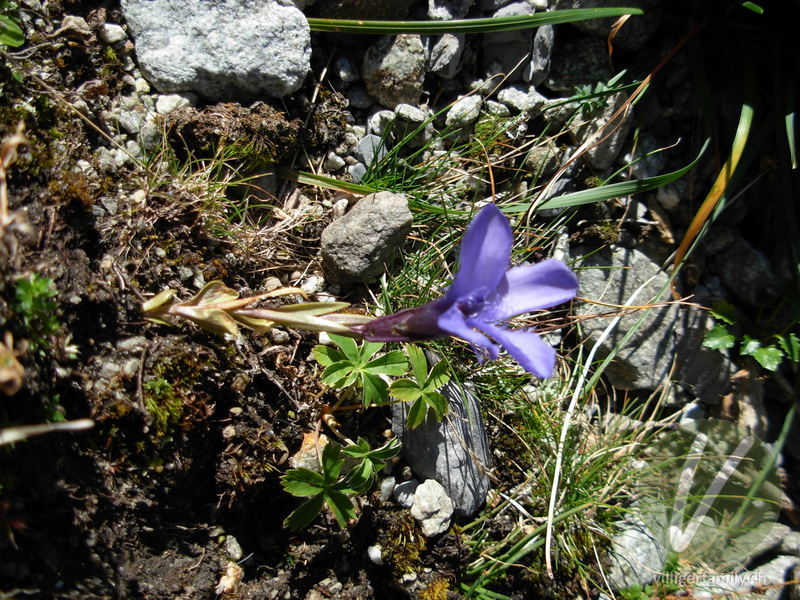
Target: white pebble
x: 375, y: 555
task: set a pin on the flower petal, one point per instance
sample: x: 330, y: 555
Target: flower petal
x: 532, y: 287
x: 452, y: 321
x: 526, y: 347
x: 484, y: 255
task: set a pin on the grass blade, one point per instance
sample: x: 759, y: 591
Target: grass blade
x: 624, y: 188
x: 467, y: 25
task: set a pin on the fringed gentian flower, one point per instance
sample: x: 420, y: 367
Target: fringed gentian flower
x: 486, y: 292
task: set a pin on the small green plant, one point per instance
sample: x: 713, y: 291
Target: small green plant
x: 330, y: 487
x: 421, y: 390
x: 10, y: 32
x: 352, y: 364
x: 769, y: 351
x: 35, y: 307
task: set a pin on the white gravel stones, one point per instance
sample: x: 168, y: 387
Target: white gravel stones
x: 432, y: 508
x: 111, y: 33
x: 394, y: 69
x: 166, y: 103
x: 223, y: 50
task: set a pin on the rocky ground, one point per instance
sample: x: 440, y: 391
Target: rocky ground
x: 138, y: 175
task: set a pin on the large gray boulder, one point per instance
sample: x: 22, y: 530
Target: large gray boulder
x: 612, y: 276
x: 358, y: 246
x: 221, y: 49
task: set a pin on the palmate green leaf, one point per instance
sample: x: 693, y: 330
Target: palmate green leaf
x: 341, y: 507
x: 437, y: 403
x: 405, y: 390
x: 416, y: 414
x: 419, y: 364
x: 749, y: 345
x: 368, y: 349
x: 303, y: 482
x: 326, y: 356
x: 719, y: 338
x: 393, y: 364
x: 769, y: 357
x: 724, y: 311
x: 339, y: 374
x: 305, y: 513
x: 348, y: 347
x: 332, y: 462
x: 437, y: 377
x: 790, y: 345
x: 374, y: 390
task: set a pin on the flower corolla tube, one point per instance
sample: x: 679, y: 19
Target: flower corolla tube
x: 486, y: 292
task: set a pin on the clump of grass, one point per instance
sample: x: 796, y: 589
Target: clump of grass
x: 35, y: 307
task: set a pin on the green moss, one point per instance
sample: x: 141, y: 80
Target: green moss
x: 405, y: 544
x: 163, y: 404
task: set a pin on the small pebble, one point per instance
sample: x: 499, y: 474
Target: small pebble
x: 387, y: 487
x: 375, y: 555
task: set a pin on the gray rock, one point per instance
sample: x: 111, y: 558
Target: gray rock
x: 637, y: 555
x: 333, y: 162
x: 447, y: 10
x: 394, y: 70
x: 370, y: 148
x: 464, y: 112
x: 454, y: 452
x: 359, y: 246
x: 410, y: 120
x: 150, y: 136
x: 358, y: 97
x: 509, y: 49
x: 706, y: 373
x: 111, y: 33
x: 249, y: 47
x: 130, y: 120
x: 539, y: 65
x: 346, y: 69
x: 166, y: 103
x: 790, y: 544
x: 446, y: 55
x: 492, y: 4
x: 612, y: 276
x: 497, y: 109
x: 432, y: 508
x: 543, y: 160
x: 607, y: 146
x: 633, y: 35
x: 747, y: 272
x: 357, y: 171
x: 749, y: 585
x: 521, y: 98
x: 576, y: 63
x: 403, y: 493
x: 380, y: 120
x: 648, y: 164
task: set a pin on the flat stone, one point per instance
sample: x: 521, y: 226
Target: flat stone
x: 249, y: 48
x: 454, y: 452
x: 446, y: 10
x: 612, y: 139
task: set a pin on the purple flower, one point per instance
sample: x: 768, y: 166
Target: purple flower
x: 486, y: 291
